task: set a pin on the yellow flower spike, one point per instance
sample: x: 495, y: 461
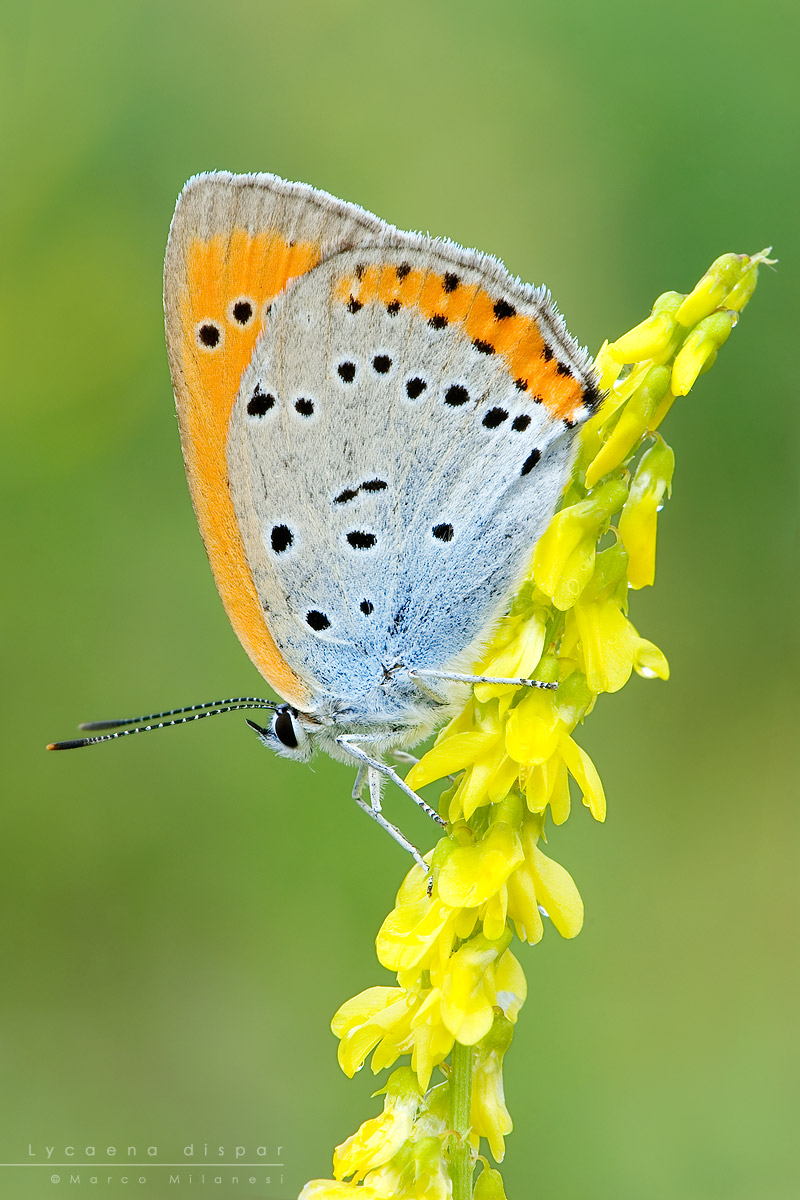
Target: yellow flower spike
x: 490, y: 1117
x: 639, y: 519
x: 563, y: 561
x: 632, y: 424
x: 448, y: 935
x: 720, y: 278
x: 468, y: 988
x: 703, y: 342
x: 379, y: 1139
x: 653, y: 336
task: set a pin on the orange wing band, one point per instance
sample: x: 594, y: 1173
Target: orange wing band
x: 225, y: 277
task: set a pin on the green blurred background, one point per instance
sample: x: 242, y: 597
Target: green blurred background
x: 182, y: 914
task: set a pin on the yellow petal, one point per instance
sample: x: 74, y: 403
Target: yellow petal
x: 585, y: 773
x: 558, y: 894
x: 607, y: 645
x: 448, y: 756
x: 474, y: 873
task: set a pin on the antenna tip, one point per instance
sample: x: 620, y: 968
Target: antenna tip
x: 68, y: 745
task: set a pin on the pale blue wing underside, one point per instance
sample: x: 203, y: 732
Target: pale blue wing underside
x: 385, y: 521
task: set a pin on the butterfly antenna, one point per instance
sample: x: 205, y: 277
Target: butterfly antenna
x: 211, y: 708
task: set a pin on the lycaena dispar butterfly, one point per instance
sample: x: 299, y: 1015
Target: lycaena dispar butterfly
x: 377, y: 426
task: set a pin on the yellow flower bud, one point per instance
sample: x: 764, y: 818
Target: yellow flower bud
x: 490, y: 1117
x: 489, y: 1185
x: 698, y: 349
x: 639, y: 519
x: 708, y: 294
x: 632, y: 424
x: 468, y: 988
x: 563, y: 561
x: 652, y: 336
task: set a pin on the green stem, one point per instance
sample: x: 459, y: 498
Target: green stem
x: 460, y: 1104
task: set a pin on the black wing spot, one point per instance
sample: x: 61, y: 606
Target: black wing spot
x: 259, y: 404
x: 521, y: 385
x: 456, y: 395
x: 366, y: 607
x: 347, y: 494
x: 281, y: 538
x: 381, y: 363
x: 443, y: 532
x: 563, y: 369
x: 520, y: 424
x: 537, y: 399
x: 208, y: 335
x: 360, y: 540
x: 415, y: 387
x: 393, y: 308
x: 483, y: 347
x: 438, y: 321
x: 317, y: 620
x: 347, y: 371
x: 354, y: 305
x: 242, y: 311
x: 450, y: 281
x: 547, y: 353
x: 531, y: 461
x: 591, y: 397
x: 360, y: 269
x: 495, y: 417
x: 375, y: 485
x: 503, y: 309
x: 304, y: 406
x: 403, y: 270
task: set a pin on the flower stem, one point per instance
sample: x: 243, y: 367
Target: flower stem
x: 460, y: 1103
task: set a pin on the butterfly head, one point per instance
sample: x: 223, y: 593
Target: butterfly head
x: 286, y: 734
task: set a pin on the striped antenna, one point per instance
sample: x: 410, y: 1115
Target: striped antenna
x: 211, y: 708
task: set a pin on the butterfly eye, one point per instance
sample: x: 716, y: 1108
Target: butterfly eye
x: 283, y: 728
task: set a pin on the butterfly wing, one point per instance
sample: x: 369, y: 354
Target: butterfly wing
x: 235, y: 244
x: 399, y: 441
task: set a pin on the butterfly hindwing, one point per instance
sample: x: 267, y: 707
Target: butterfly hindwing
x: 399, y: 441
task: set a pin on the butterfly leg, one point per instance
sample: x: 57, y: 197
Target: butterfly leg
x: 402, y: 756
x: 347, y: 742
x: 455, y: 676
x: 359, y: 783
x: 373, y: 809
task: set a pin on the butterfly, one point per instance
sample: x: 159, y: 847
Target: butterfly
x: 376, y: 426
